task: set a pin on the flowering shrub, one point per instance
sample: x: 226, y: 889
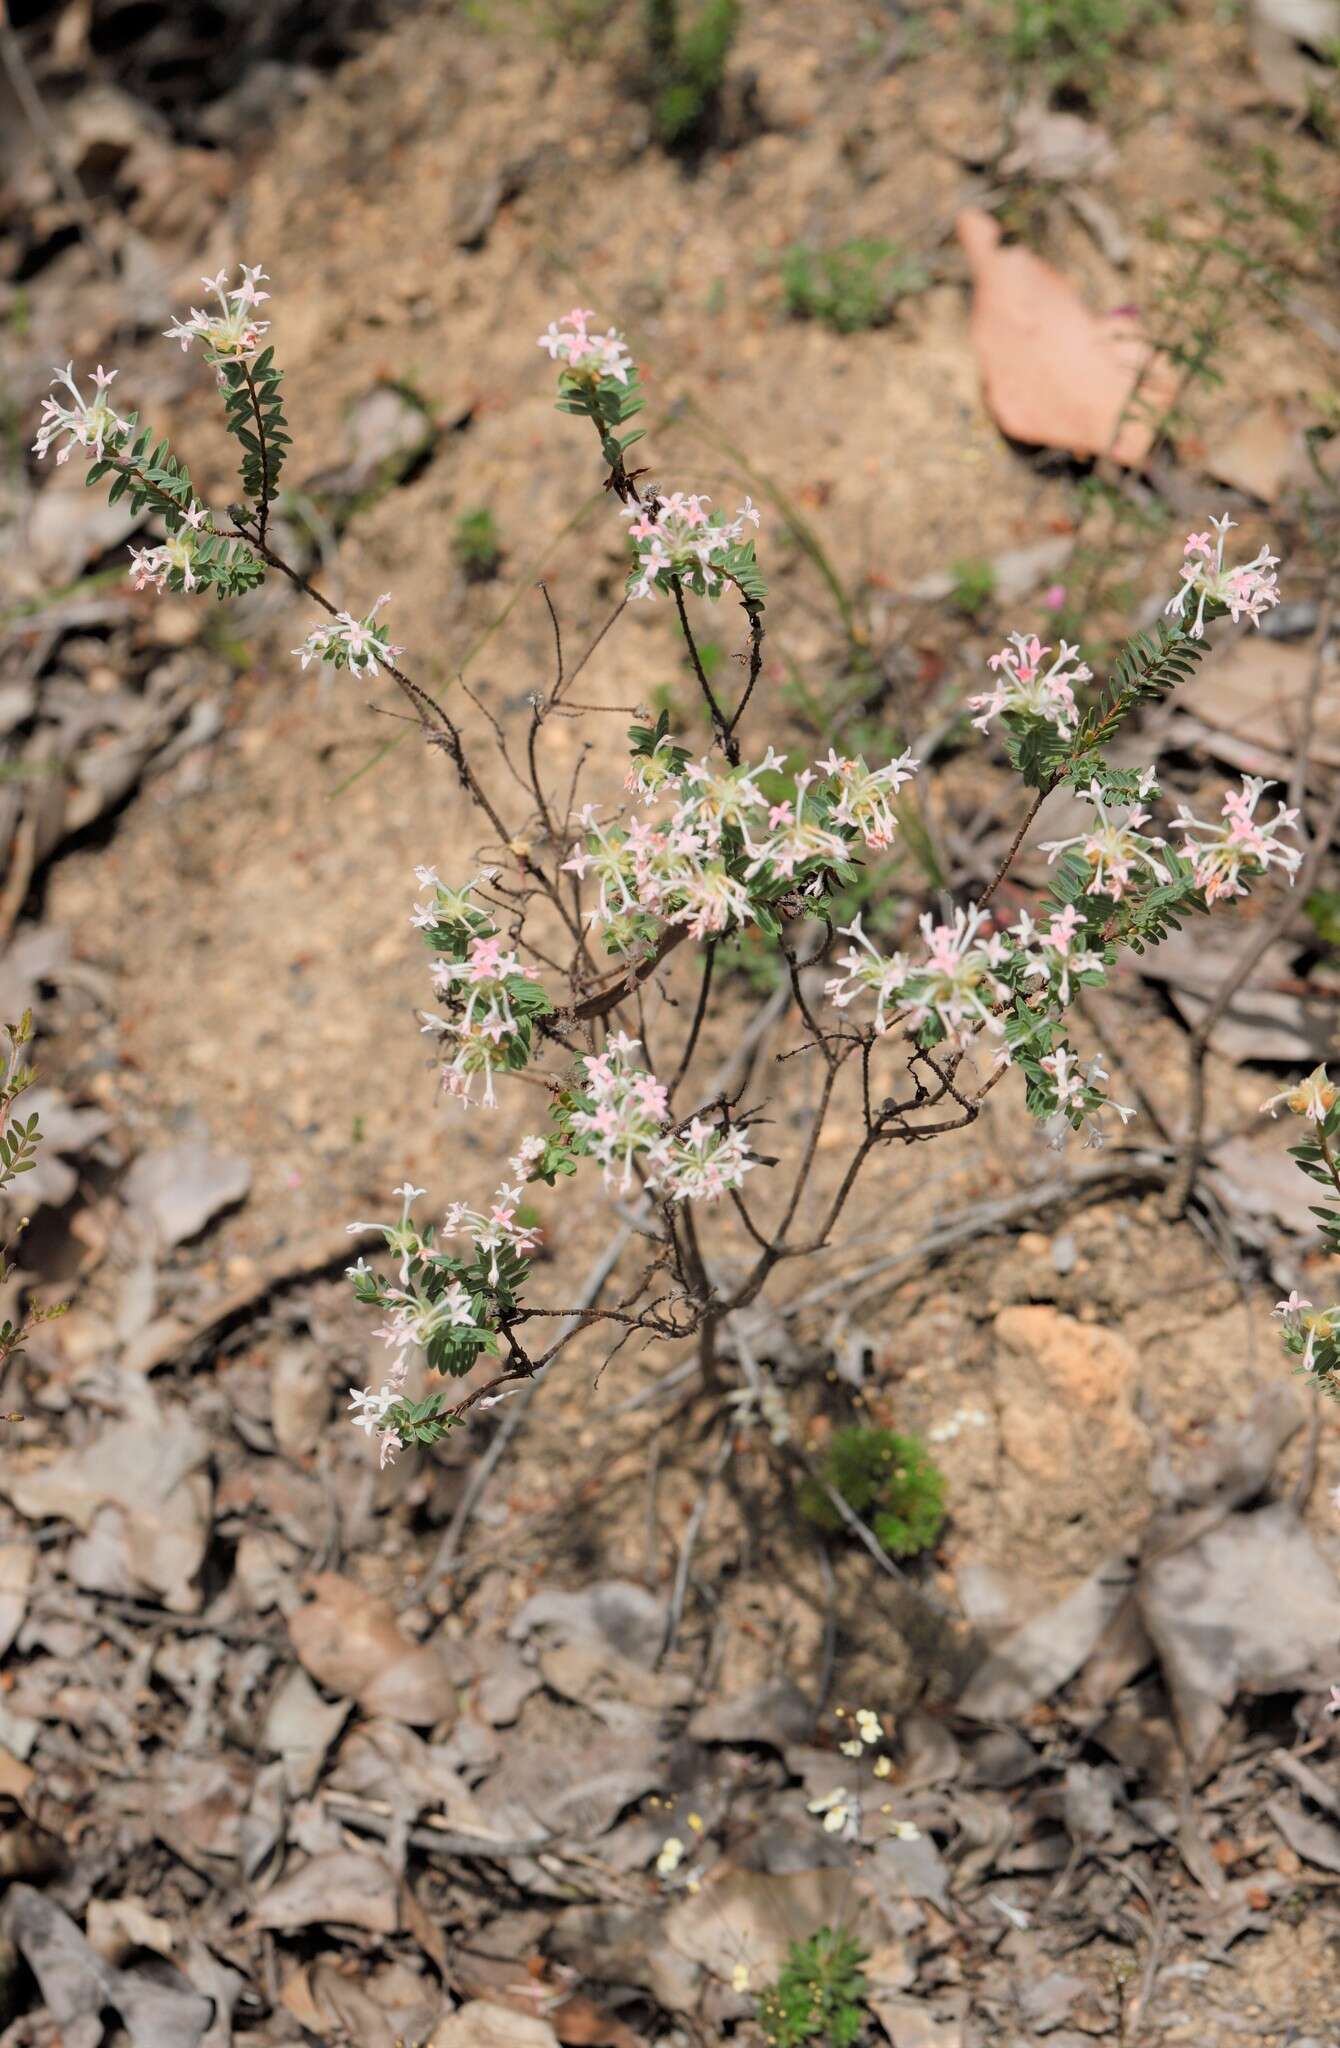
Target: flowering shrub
x: 543, y: 962
x: 1312, y: 1335
x: 20, y: 1137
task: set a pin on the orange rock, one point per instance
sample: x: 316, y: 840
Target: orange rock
x: 1065, y: 1391
x: 1053, y: 373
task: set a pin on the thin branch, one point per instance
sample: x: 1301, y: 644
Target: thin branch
x: 729, y: 745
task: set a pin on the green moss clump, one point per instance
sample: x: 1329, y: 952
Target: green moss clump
x: 890, y: 1481
x: 820, y: 1995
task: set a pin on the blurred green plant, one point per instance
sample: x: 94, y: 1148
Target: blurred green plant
x: 974, y: 586
x: 476, y: 544
x: 1071, y: 45
x: 856, y: 285
x: 890, y: 1481
x: 820, y: 1996
x: 1322, y: 911
x: 682, y: 67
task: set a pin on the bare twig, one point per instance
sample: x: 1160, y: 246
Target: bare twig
x: 691, y: 1533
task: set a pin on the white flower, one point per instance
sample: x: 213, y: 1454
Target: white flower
x: 1113, y: 847
x: 90, y: 423
x: 670, y: 1857
x: 369, y: 1408
x: 355, y: 644
x: 841, y: 1811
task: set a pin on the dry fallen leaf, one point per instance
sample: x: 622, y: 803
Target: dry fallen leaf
x: 383, y: 2009
x: 77, y: 1986
x: 1282, y: 34
x: 1052, y: 147
x: 352, y: 1643
x: 115, y: 1927
x: 1036, y: 1660
x: 177, y: 1190
x: 299, y: 1728
x: 139, y: 1484
x: 1054, y: 374
x: 752, y: 1917
x: 1252, y: 1606
x: 480, y: 2025
x: 1254, y: 694
x: 17, y: 1561
x: 341, y: 1888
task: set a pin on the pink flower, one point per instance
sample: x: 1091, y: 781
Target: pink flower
x: 1246, y: 591
x: 1053, y: 597
x: 90, y: 423
x: 1115, y: 846
x: 677, y: 536
x: 584, y: 354
x: 958, y: 983
x: 1024, y: 690
x: 356, y: 644
x: 231, y: 334
x: 1244, y: 841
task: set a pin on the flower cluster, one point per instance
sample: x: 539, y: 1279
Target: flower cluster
x: 90, y: 423
x: 583, y: 354
x: 233, y: 333
x: 958, y: 984
x: 1242, y: 841
x: 622, y: 1116
x: 866, y: 971
x: 492, y: 999
x: 731, y: 846
x: 676, y: 539
x: 1115, y: 848
x: 1313, y: 1335
x: 1244, y: 591
x: 356, y: 644
x: 864, y: 794
x: 446, y: 1304
x: 172, y: 564
x: 1059, y: 947
x: 1025, y: 689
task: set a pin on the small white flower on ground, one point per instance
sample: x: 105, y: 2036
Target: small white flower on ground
x: 840, y: 1811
